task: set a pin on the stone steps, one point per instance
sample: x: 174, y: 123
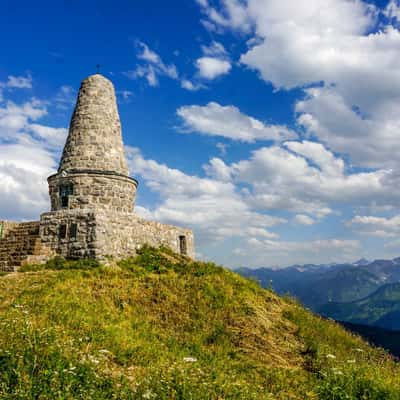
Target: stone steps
x: 20, y: 243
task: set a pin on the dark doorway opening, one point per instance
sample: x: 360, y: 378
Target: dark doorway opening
x: 183, y: 245
x: 73, y: 230
x: 63, y: 231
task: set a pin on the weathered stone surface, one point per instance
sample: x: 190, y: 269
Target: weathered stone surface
x: 92, y: 196
x: 19, y: 242
x: 103, y: 234
x: 95, y: 140
x: 95, y: 190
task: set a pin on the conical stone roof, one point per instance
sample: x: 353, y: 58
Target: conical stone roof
x: 95, y: 141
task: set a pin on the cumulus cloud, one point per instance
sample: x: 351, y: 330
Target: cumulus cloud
x: 376, y: 226
x: 269, y: 252
x: 338, y: 47
x: 211, y: 68
x: 19, y: 82
x: 231, y: 15
x: 28, y: 153
x: 215, y: 49
x: 214, y: 208
x: 302, y: 219
x: 305, y: 177
x: 24, y: 168
x: 214, y: 119
x: 152, y: 66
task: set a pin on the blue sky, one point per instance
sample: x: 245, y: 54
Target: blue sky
x: 269, y: 127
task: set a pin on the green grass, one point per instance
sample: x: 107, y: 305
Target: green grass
x: 159, y: 326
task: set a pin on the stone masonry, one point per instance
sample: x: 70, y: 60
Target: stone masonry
x: 92, y: 195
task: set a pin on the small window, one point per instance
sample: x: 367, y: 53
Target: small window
x: 63, y: 231
x: 73, y: 230
x: 65, y: 191
x: 182, y: 245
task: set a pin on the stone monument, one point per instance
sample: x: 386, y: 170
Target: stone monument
x: 92, y: 195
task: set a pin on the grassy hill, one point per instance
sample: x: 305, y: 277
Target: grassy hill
x: 381, y: 308
x: 161, y: 327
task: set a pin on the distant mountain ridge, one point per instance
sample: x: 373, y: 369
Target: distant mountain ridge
x: 381, y: 309
x: 354, y: 292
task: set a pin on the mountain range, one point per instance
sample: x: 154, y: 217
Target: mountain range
x: 364, y: 292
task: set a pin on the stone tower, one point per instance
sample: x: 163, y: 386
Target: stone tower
x: 93, y: 171
x: 92, y: 196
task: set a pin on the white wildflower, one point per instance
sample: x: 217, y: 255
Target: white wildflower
x: 190, y: 359
x: 332, y: 356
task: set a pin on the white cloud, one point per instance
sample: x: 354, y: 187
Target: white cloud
x: 213, y: 208
x: 65, y: 97
x: 392, y: 10
x: 304, y: 177
x: 304, y: 42
x: 217, y: 169
x: 191, y: 86
x: 232, y: 15
x: 53, y: 138
x: 227, y: 121
x: 222, y: 147
x: 19, y: 82
x: 28, y: 152
x: 215, y: 49
x: 302, y: 219
x: 211, y: 68
x: 371, y: 141
x: 376, y: 226
x: 311, y: 246
x: 152, y: 66
x: 267, y: 252
x: 14, y: 118
x: 339, y: 46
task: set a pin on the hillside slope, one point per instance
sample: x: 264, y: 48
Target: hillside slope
x: 381, y: 308
x: 161, y: 327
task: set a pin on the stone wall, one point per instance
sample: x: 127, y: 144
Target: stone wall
x: 6, y: 226
x: 94, y: 190
x: 101, y: 234
x: 121, y: 234
x: 80, y: 245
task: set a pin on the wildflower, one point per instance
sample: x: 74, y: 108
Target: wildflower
x: 332, y: 356
x: 351, y: 361
x: 360, y: 350
x: 190, y: 359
